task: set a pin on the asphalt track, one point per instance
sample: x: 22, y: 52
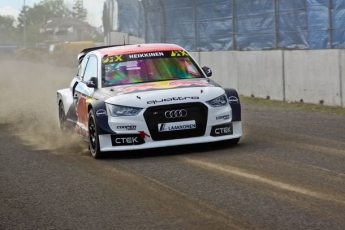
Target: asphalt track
x: 287, y: 172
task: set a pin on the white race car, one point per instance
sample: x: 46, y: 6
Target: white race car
x: 133, y: 97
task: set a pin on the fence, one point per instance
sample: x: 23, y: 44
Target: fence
x: 203, y: 25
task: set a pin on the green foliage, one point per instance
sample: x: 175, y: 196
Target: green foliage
x: 43, y: 11
x: 6, y: 22
x: 36, y: 16
x: 79, y: 11
x: 33, y: 36
x: 8, y: 32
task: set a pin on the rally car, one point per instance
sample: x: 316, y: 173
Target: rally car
x: 132, y: 97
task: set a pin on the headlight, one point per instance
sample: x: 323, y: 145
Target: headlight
x: 118, y: 110
x: 218, y: 101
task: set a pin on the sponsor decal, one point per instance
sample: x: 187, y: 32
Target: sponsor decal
x: 146, y: 55
x: 173, y: 99
x: 90, y: 83
x: 161, y: 85
x: 190, y: 83
x: 175, y: 113
x: 127, y: 127
x: 131, y: 139
x: 138, y: 56
x: 222, y: 130
x: 112, y: 59
x: 209, y: 71
x: 179, y: 53
x: 224, y: 117
x: 233, y: 99
x: 101, y: 113
x: 174, y: 126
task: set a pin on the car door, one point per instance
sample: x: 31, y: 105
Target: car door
x: 84, y: 94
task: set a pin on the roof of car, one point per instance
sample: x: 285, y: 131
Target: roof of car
x: 113, y: 50
x: 139, y: 48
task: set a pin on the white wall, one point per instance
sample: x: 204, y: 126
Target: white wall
x: 251, y: 73
x: 313, y: 76
x: 136, y: 40
x: 291, y: 75
x: 342, y: 76
x: 260, y: 74
x: 118, y: 38
x: 222, y: 65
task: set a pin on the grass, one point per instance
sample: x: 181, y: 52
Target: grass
x: 293, y: 105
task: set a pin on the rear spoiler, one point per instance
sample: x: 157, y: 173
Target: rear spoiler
x: 82, y: 54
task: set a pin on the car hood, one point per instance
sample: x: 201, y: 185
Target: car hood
x: 164, y: 92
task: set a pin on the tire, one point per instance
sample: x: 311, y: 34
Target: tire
x: 62, y: 118
x: 93, y: 136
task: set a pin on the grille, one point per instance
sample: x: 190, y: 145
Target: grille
x: 195, y: 111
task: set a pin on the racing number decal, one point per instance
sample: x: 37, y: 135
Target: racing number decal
x: 179, y: 53
x: 113, y: 59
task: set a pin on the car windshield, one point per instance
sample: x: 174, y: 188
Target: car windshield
x: 120, y: 70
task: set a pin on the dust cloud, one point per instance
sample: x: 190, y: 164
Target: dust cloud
x: 28, y: 104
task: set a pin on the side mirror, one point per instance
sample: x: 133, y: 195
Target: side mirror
x: 207, y: 71
x: 92, y: 83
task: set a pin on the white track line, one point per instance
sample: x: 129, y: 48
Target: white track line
x: 277, y: 184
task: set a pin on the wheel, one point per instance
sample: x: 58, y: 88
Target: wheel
x: 93, y: 136
x: 62, y: 118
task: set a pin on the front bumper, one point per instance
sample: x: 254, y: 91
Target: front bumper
x: 133, y: 140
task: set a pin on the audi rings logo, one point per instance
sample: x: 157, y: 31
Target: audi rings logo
x: 175, y: 113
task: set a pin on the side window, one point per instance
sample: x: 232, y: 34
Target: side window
x: 79, y: 72
x: 90, y: 69
x: 81, y: 68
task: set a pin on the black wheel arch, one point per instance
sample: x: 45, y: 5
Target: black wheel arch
x: 101, y: 116
x: 234, y: 102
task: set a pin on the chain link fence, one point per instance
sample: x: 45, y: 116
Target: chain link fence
x: 203, y: 25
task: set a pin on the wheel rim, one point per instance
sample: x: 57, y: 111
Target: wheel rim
x: 93, y: 136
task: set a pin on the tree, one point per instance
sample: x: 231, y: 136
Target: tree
x: 7, y: 22
x: 36, y: 16
x: 8, y: 32
x: 79, y: 11
x: 57, y: 7
x: 41, y: 12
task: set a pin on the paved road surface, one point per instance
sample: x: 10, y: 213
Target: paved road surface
x: 287, y: 172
